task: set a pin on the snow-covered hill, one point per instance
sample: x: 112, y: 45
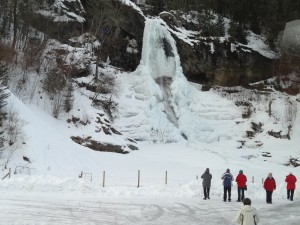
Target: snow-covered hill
x: 154, y: 105
x: 175, y: 125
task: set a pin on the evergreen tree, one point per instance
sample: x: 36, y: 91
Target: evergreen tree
x: 237, y: 32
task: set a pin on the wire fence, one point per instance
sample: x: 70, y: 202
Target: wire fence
x: 106, y: 179
x: 24, y: 170
x: 135, y: 179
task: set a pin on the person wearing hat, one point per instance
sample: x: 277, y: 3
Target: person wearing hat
x: 206, y: 176
x: 227, y: 183
x: 241, y: 180
x: 290, y: 186
x: 269, y: 186
x: 247, y: 215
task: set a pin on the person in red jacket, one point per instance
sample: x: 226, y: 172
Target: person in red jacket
x: 270, y: 186
x: 291, y: 185
x: 241, y: 180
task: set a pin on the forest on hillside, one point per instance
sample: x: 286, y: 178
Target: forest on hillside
x: 112, y: 25
x: 260, y: 16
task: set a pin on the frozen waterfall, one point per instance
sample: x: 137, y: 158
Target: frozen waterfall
x: 160, y: 58
x: 160, y: 105
x: 160, y: 54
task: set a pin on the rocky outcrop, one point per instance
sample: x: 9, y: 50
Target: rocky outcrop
x: 212, y: 61
x: 222, y: 66
x: 60, y: 20
x: 104, y: 127
x: 120, y: 33
x: 116, y: 25
x: 97, y: 146
x: 129, y: 28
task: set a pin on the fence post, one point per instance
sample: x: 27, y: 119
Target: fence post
x: 262, y: 180
x: 7, y: 175
x: 103, y: 181
x: 139, y: 177
x: 252, y: 179
x: 166, y: 178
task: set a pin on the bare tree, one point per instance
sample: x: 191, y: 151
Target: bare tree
x: 13, y: 126
x: 104, y: 22
x: 57, y: 103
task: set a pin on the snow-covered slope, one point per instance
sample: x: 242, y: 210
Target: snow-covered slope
x: 178, y: 128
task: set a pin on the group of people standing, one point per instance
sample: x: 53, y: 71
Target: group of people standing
x: 247, y: 215
x: 241, y: 180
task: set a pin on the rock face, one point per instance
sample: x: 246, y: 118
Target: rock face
x: 59, y: 20
x: 116, y: 26
x: 214, y: 62
x: 97, y: 146
x: 222, y: 66
x: 129, y: 29
x: 104, y: 127
x: 120, y: 32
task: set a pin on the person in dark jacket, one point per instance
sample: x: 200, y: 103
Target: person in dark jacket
x: 290, y: 186
x: 270, y: 186
x: 206, y: 176
x: 227, y: 183
x: 241, y: 180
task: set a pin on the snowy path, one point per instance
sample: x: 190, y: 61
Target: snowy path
x: 16, y: 210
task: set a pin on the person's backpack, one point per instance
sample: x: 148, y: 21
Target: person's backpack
x: 227, y: 180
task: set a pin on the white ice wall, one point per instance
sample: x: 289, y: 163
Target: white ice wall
x: 291, y: 36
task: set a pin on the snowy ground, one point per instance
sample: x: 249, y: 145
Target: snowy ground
x: 57, y: 210
x: 68, y: 200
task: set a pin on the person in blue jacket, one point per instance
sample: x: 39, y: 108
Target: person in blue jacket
x: 227, y: 183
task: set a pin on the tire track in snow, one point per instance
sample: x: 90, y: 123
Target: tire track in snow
x: 191, y: 211
x: 75, y: 213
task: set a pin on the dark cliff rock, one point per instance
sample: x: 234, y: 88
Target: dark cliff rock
x: 122, y: 25
x: 117, y: 26
x: 223, y: 66
x: 59, y: 21
x: 129, y: 27
x: 219, y: 65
